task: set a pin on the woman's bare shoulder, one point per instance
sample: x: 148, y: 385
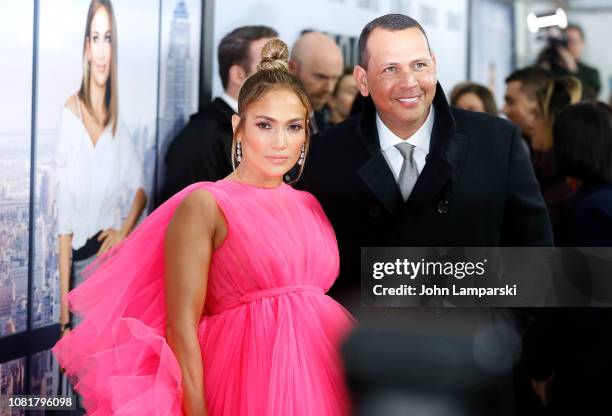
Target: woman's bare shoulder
x: 72, y: 104
x: 199, y: 208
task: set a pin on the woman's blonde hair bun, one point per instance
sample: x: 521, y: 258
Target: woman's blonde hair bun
x: 274, y: 56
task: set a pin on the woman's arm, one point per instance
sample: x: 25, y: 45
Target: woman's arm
x: 65, y: 215
x: 65, y: 254
x: 111, y: 236
x: 192, y: 234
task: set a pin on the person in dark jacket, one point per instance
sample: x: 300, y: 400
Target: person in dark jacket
x: 583, y: 146
x: 588, y: 75
x: 534, y: 98
x: 467, y: 182
x: 568, y: 348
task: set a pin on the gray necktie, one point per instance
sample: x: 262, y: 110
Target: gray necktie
x: 409, y: 173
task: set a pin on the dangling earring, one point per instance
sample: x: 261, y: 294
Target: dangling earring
x: 302, y: 156
x: 238, y: 152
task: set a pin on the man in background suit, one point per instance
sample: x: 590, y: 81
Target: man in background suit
x: 317, y: 61
x: 589, y: 76
x: 409, y: 170
x: 202, y: 150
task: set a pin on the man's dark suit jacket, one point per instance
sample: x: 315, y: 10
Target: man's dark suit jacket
x: 202, y: 150
x: 477, y: 188
x: 590, y: 79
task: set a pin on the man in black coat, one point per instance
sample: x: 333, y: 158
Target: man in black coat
x: 467, y: 182
x: 410, y: 171
x: 589, y: 76
x: 202, y: 150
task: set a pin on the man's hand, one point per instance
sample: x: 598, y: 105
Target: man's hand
x: 567, y: 59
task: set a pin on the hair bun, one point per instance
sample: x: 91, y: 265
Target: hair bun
x: 274, y: 56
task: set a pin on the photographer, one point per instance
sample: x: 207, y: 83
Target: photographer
x: 563, y: 57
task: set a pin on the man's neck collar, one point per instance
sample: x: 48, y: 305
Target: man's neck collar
x: 231, y: 101
x: 427, y: 123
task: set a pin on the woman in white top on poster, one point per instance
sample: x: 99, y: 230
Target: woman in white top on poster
x: 97, y: 162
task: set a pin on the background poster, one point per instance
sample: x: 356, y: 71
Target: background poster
x: 60, y: 69
x: 16, y: 37
x: 158, y: 87
x: 29, y: 249
x: 179, y: 73
x: 491, y: 37
x: 15, y: 139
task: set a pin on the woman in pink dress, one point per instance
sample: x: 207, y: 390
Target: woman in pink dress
x: 216, y: 303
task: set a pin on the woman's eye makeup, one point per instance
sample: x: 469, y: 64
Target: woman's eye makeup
x: 264, y: 125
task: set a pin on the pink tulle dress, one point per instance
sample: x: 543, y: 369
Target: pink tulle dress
x: 269, y: 335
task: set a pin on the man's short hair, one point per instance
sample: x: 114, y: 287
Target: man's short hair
x: 575, y: 27
x: 534, y: 81
x: 234, y: 48
x: 392, y: 22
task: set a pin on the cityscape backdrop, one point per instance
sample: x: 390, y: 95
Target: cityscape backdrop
x: 158, y: 73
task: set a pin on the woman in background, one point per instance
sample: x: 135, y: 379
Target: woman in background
x: 569, y: 348
x: 474, y: 97
x: 96, y: 160
x: 583, y: 146
x: 216, y: 304
x: 341, y: 100
x: 552, y: 96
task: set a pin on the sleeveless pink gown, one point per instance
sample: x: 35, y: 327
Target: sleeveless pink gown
x: 269, y: 335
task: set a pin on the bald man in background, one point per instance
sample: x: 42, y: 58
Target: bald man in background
x: 317, y: 61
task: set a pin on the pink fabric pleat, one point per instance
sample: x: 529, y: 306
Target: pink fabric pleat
x: 269, y: 336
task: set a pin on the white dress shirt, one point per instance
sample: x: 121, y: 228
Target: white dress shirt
x: 91, y: 179
x: 230, y: 101
x: 420, y: 140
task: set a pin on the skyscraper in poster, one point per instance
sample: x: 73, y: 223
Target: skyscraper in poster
x: 177, y: 61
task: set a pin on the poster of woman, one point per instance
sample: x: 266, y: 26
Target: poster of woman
x: 97, y: 109
x: 96, y: 159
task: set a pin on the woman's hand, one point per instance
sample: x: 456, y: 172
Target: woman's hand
x: 65, y: 331
x: 109, y: 238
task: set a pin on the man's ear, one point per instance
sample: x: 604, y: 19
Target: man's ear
x: 361, y: 79
x: 535, y: 111
x: 435, y: 64
x: 237, y: 75
x: 235, y: 122
x: 294, y: 67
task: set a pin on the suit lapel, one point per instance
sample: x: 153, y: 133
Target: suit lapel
x: 379, y: 179
x: 455, y: 153
x: 375, y: 172
x: 438, y: 170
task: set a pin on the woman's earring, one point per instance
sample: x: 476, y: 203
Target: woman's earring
x: 302, y: 156
x: 238, y: 152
